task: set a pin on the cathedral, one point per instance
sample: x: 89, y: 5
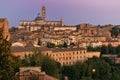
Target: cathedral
x: 39, y: 22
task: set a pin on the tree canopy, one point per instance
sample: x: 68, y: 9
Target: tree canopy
x: 115, y: 31
x: 8, y: 64
x: 93, y: 69
x: 45, y: 62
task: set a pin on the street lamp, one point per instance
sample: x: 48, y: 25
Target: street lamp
x: 93, y: 70
x: 93, y: 73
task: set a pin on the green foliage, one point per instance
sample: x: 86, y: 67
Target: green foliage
x: 72, y: 44
x: 65, y: 45
x: 89, y: 48
x: 87, y: 78
x: 104, y: 49
x: 50, y: 45
x: 69, y: 71
x: 8, y: 64
x: 34, y: 59
x: 46, y: 63
x: 84, y: 71
x: 118, y: 49
x: 110, y: 49
x: 104, y: 70
x: 60, y: 46
x: 115, y: 69
x: 115, y: 31
x: 50, y: 67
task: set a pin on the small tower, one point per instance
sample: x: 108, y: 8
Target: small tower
x: 38, y: 14
x: 44, y: 13
x: 62, y: 21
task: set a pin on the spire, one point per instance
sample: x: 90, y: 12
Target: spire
x: 38, y: 14
x: 44, y: 13
x: 62, y: 21
x: 43, y: 6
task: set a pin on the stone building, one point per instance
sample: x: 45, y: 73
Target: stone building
x: 87, y: 30
x: 65, y: 56
x: 39, y: 22
x: 26, y: 73
x: 104, y: 31
x: 92, y: 33
x: 4, y: 26
x: 69, y: 56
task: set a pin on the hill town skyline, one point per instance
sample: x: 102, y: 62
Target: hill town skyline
x: 74, y: 12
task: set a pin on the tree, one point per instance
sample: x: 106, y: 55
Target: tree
x: 79, y: 69
x: 7, y: 62
x: 104, y: 49
x: 50, y: 67
x: 65, y: 45
x: 70, y: 72
x: 50, y: 45
x: 102, y: 69
x: 90, y: 48
x: 118, y: 49
x: 47, y: 64
x: 34, y: 59
x: 72, y: 44
x: 87, y: 78
x: 115, y: 31
x: 110, y: 49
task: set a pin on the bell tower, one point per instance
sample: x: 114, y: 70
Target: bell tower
x: 44, y: 13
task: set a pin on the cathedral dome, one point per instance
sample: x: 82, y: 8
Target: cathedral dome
x: 38, y: 17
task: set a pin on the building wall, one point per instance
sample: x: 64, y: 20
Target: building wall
x: 104, y: 31
x: 91, y: 54
x: 93, y: 31
x: 65, y: 56
x: 94, y: 39
x: 65, y: 28
x: 4, y: 25
x: 22, y: 54
x: 71, y: 57
x: 87, y: 30
x: 27, y: 72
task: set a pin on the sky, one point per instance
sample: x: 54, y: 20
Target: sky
x: 74, y: 12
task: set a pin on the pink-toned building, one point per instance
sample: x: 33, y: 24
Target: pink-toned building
x: 27, y: 73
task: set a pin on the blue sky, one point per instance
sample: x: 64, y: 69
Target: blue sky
x: 74, y: 11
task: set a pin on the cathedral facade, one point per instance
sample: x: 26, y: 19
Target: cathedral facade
x: 39, y: 22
